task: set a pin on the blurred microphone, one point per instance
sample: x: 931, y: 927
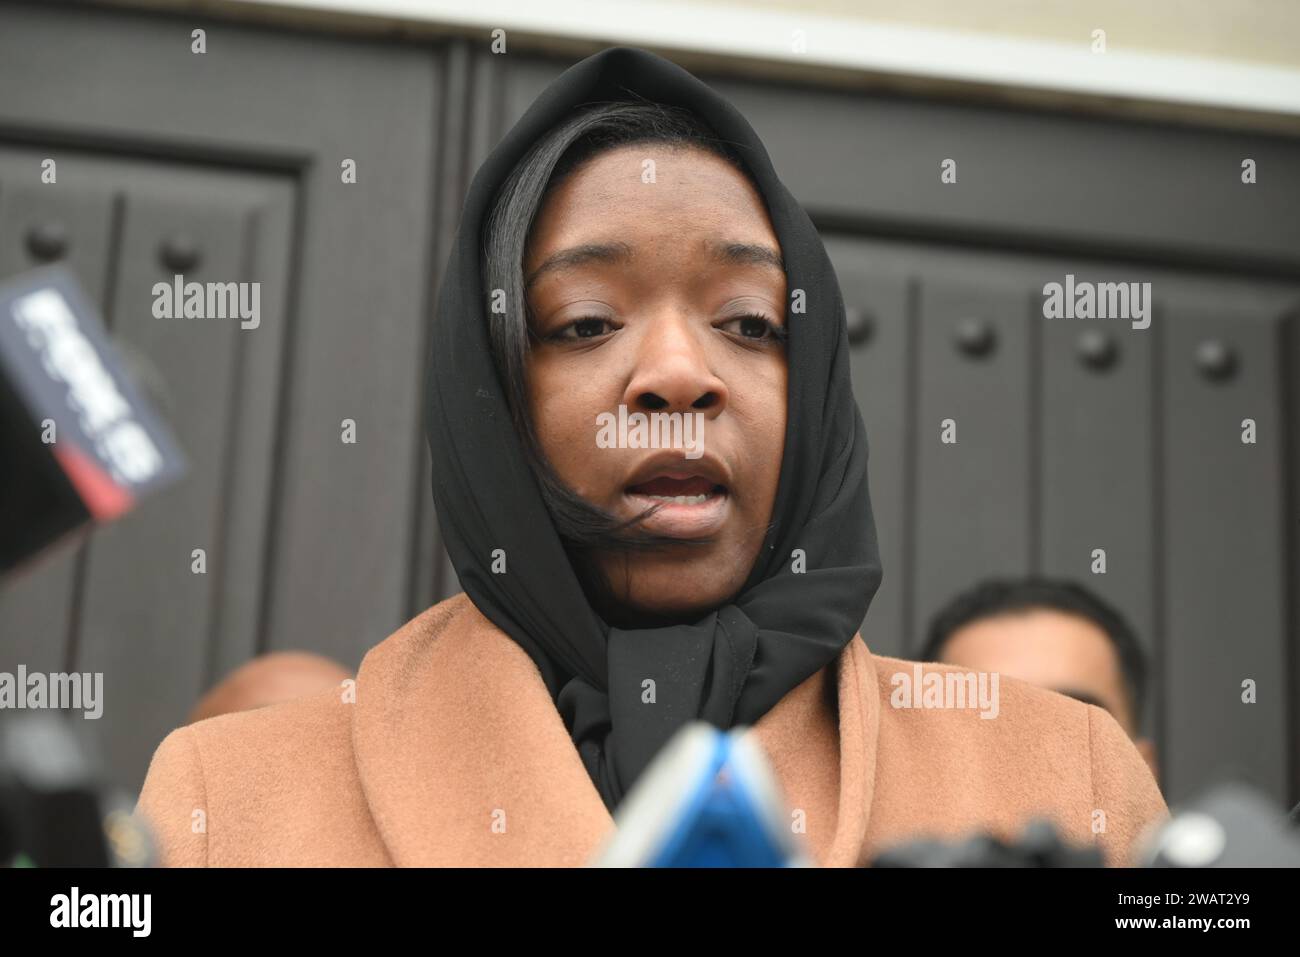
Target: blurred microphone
x: 1230, y: 825
x: 78, y: 441
x: 708, y: 799
x: 55, y: 810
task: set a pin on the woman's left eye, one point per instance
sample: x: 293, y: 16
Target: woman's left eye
x: 755, y: 327
x: 585, y: 328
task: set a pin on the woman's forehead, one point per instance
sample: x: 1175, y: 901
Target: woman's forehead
x: 637, y: 197
x: 630, y: 181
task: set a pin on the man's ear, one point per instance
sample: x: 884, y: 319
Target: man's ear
x: 1147, y: 748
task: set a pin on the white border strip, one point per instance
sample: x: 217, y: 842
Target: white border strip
x: 857, y: 45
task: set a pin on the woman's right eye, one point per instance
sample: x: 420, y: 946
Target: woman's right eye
x: 586, y: 328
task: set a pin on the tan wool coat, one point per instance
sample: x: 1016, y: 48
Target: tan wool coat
x: 449, y: 752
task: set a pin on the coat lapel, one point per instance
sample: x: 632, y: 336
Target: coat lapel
x: 465, y: 761
x: 823, y: 749
x: 461, y: 753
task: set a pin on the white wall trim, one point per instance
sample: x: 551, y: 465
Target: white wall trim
x: 961, y: 57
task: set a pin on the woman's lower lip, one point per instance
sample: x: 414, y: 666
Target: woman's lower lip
x: 683, y: 520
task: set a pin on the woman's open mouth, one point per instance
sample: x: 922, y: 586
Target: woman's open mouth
x: 690, y: 506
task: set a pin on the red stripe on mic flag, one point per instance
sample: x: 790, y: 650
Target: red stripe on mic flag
x: 103, y: 498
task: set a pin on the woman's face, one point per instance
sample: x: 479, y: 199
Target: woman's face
x: 660, y: 293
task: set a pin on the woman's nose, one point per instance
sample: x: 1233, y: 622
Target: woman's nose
x: 673, y: 374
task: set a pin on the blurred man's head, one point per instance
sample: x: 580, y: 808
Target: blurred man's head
x: 270, y: 679
x: 1054, y: 634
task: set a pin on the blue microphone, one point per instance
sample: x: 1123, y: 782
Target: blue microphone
x: 708, y: 799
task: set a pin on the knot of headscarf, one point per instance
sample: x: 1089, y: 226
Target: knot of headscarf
x: 701, y: 672
x: 623, y: 692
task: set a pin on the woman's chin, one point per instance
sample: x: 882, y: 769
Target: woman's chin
x: 671, y: 592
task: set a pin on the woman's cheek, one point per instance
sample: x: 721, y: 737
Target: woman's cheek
x: 565, y: 419
x: 760, y: 410
x: 758, y: 402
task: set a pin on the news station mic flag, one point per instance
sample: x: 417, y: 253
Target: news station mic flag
x: 737, y: 662
x: 78, y: 442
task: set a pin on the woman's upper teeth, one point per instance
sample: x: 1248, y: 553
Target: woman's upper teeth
x: 670, y: 487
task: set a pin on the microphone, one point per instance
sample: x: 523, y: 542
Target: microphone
x: 55, y: 808
x: 708, y: 799
x: 1230, y: 825
x: 79, y: 442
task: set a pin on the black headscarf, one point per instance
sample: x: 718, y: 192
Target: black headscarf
x: 733, y: 665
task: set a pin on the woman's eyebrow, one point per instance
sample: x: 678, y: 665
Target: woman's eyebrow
x: 731, y: 253
x: 612, y: 252
x: 746, y: 254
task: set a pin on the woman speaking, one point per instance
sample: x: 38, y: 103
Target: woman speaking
x: 627, y: 253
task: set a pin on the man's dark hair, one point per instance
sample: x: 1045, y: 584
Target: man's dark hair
x: 1010, y: 596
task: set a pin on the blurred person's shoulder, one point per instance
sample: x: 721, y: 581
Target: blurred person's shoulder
x: 961, y: 750
x: 279, y: 784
